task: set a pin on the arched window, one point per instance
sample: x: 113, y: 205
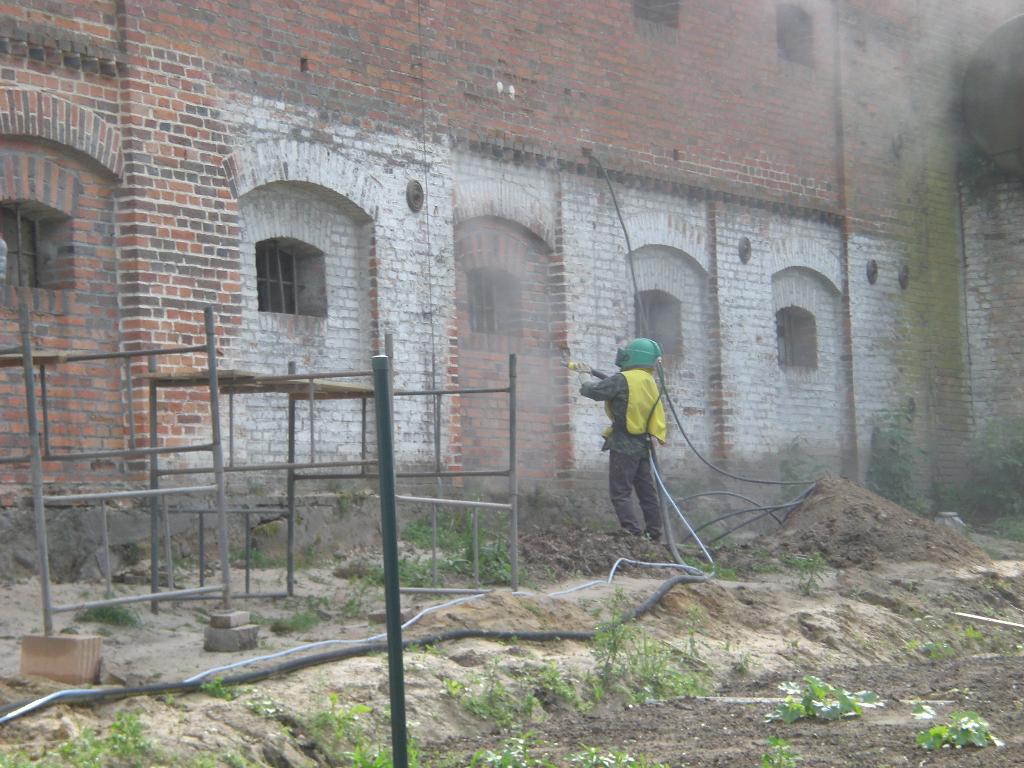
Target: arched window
x: 290, y: 277
x: 663, y: 320
x: 494, y: 301
x: 794, y: 33
x: 797, y: 337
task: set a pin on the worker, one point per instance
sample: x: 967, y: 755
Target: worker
x: 633, y: 403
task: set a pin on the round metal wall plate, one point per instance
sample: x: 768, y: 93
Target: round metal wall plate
x: 744, y: 249
x: 414, y: 195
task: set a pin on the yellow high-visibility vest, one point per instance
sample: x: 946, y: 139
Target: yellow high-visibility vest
x: 644, y: 412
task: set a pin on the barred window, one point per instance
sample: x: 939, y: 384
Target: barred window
x: 21, y: 233
x: 663, y: 12
x: 794, y: 32
x: 663, y: 320
x: 798, y: 338
x: 290, y: 278
x: 494, y: 299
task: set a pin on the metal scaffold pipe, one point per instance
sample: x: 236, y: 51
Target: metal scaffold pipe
x: 389, y: 533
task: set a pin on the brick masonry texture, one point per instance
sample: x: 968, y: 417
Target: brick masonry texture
x: 164, y: 139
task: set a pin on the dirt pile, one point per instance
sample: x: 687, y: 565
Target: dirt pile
x: 561, y: 553
x: 851, y: 527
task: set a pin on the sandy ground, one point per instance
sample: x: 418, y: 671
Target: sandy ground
x: 879, y: 616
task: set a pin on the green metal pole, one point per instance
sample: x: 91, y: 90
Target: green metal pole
x: 389, y: 531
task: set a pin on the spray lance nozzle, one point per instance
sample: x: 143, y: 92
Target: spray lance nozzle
x: 584, y: 368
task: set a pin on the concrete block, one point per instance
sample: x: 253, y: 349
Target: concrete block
x: 71, y: 659
x: 228, y: 619
x: 229, y: 639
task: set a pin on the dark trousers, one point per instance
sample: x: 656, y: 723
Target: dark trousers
x: 625, y: 475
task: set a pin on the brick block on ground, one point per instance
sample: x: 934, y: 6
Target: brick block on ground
x: 71, y: 659
x: 229, y: 639
x: 229, y: 619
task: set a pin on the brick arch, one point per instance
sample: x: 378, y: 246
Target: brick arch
x: 25, y: 177
x: 805, y: 274
x: 488, y: 199
x: 45, y: 116
x: 670, y: 230
x: 806, y: 253
x: 256, y: 165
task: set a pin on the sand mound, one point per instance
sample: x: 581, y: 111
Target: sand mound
x: 851, y: 526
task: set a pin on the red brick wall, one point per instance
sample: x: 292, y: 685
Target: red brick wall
x: 75, y: 313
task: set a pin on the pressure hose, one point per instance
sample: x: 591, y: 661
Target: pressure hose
x: 353, y: 648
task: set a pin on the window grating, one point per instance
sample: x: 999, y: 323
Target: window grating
x: 664, y: 321
x: 798, y: 338
x: 276, y: 286
x: 493, y: 301
x: 794, y: 33
x: 21, y: 234
x: 663, y: 12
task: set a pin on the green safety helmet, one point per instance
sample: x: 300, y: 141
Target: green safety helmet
x: 639, y: 353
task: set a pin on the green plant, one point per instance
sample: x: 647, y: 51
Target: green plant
x: 894, y: 458
x: 994, y: 485
x: 810, y: 570
x: 114, y: 615
x: 124, y: 746
x: 490, y: 699
x: 742, y: 665
x: 126, y: 739
x: 336, y: 729
x: 965, y: 729
x: 1011, y: 528
x: 358, y: 596
x: 592, y: 757
x: 265, y: 707
x: 513, y: 753
x: 937, y: 650
x: 629, y: 659
x: 453, y: 529
x: 218, y: 690
x: 551, y: 686
x: 818, y: 699
x: 300, y: 622
x: 344, y: 503
x: 234, y: 760
x: 779, y: 754
x: 415, y: 572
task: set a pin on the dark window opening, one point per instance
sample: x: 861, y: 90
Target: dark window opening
x: 493, y: 301
x: 798, y: 338
x: 290, y: 278
x: 663, y: 320
x: 663, y: 12
x: 21, y: 233
x: 794, y: 32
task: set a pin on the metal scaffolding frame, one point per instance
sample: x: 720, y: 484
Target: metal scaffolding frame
x: 316, y: 386
x: 40, y: 450
x: 299, y: 387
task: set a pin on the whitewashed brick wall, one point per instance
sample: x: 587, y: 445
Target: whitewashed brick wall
x: 333, y: 191
x: 995, y: 300
x: 880, y: 323
x: 769, y: 407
